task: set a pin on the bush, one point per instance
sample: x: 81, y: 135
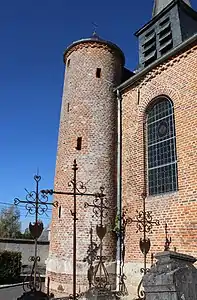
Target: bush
x: 10, y: 267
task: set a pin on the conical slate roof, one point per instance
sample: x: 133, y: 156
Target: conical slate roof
x: 159, y: 5
x: 95, y: 38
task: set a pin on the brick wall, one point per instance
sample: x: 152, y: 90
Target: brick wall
x: 176, y: 79
x: 89, y: 110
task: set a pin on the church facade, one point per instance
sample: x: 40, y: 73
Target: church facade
x: 138, y: 132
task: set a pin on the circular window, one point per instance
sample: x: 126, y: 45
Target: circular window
x: 162, y: 129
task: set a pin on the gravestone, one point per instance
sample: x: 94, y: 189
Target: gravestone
x: 173, y: 277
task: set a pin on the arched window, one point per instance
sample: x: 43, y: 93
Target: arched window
x: 161, y: 147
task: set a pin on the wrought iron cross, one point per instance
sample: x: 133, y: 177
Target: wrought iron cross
x: 36, y: 204
x: 144, y: 222
x: 100, y: 210
x: 78, y: 189
x: 95, y: 28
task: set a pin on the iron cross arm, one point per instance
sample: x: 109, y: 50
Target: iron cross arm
x: 156, y: 222
x: 95, y: 206
x: 130, y: 220
x: 144, y: 225
x: 51, y: 192
x: 142, y: 221
x: 18, y: 201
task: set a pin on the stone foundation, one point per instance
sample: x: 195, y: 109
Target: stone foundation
x: 60, y: 273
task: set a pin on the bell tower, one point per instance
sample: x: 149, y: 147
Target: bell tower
x: 173, y: 22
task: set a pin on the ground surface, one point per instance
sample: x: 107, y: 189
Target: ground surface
x: 11, y: 293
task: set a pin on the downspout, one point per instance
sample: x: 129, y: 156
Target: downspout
x: 119, y: 190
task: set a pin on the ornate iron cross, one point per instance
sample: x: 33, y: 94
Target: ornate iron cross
x: 36, y: 204
x: 78, y: 189
x: 144, y: 222
x: 100, y: 210
x: 95, y: 28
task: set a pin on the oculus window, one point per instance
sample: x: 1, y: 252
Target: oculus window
x: 161, y: 148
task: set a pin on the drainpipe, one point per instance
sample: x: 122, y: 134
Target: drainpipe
x: 119, y: 189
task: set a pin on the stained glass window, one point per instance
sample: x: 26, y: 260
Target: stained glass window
x: 161, y: 152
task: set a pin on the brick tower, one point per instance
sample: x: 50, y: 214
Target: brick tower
x: 89, y: 112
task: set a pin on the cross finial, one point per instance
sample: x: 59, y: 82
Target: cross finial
x: 95, y: 26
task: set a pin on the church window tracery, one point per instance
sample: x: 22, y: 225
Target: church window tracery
x: 161, y: 147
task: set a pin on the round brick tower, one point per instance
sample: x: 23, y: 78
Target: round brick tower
x: 89, y: 114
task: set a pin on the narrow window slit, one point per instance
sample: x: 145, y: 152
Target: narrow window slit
x: 79, y: 143
x: 60, y: 212
x: 98, y: 72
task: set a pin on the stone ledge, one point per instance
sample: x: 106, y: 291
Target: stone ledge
x: 167, y: 255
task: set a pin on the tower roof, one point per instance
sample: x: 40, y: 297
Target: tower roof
x: 95, y: 38
x: 159, y: 5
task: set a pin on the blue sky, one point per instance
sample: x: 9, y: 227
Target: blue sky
x: 34, y: 35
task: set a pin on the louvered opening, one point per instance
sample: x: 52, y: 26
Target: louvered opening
x: 149, y: 33
x: 150, y: 40
x: 166, y: 47
x: 163, y: 23
x: 150, y: 58
x: 149, y: 47
x: 165, y: 30
x: 165, y: 36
